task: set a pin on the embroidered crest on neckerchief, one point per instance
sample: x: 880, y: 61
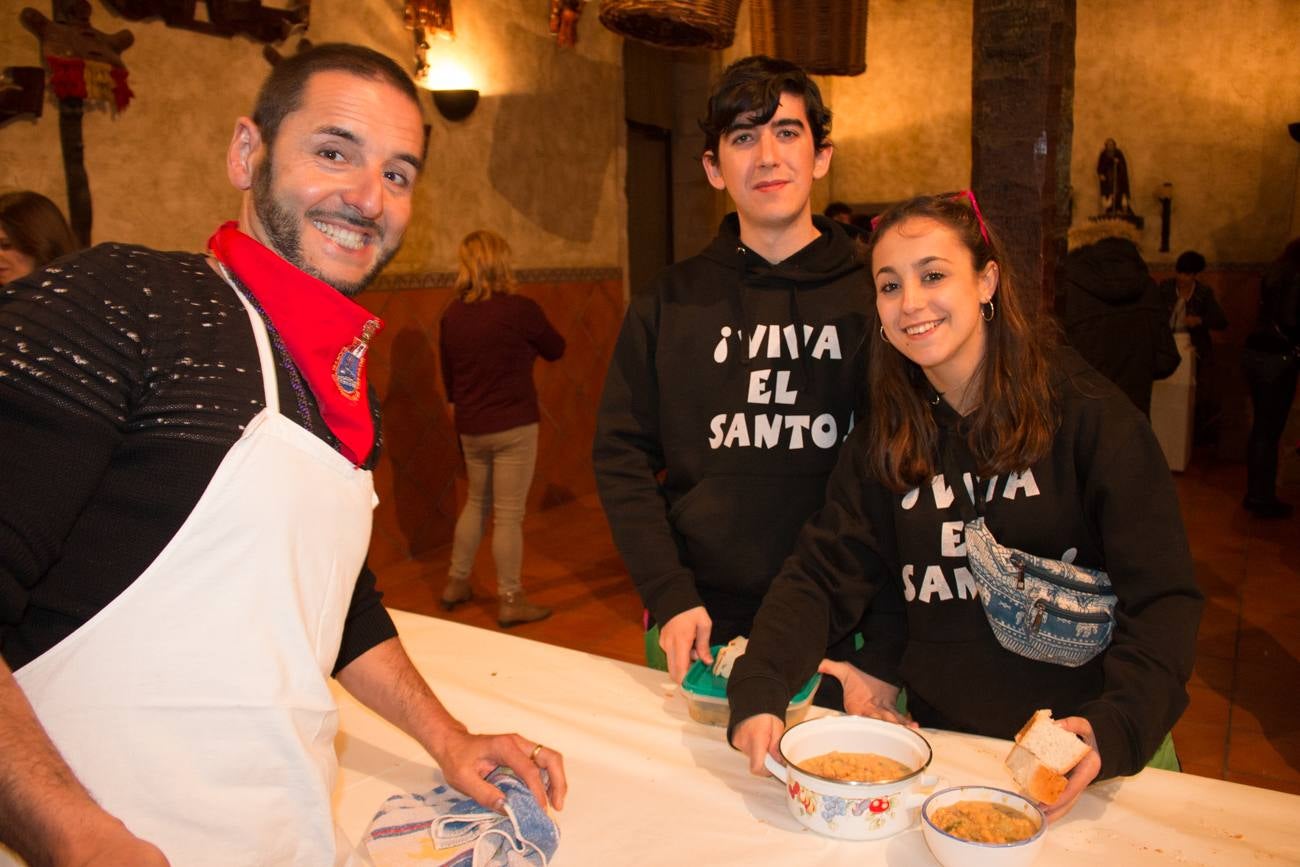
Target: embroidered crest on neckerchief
x: 347, y: 367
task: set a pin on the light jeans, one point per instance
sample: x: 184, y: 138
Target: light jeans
x: 500, y: 470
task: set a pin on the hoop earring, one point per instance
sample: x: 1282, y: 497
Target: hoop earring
x: 990, y: 313
x: 883, y: 336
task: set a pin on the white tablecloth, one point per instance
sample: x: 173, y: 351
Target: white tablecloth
x: 648, y: 786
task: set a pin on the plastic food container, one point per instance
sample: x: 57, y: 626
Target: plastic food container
x: 706, y: 696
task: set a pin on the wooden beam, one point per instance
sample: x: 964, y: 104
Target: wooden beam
x: 1022, y: 121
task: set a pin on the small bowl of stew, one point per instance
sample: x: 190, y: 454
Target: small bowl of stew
x: 982, y: 826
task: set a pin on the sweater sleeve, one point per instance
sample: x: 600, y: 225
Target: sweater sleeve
x: 820, y: 594
x: 548, y: 342
x: 69, y: 367
x: 1130, y: 498
x: 368, y: 623
x: 627, y: 457
x: 884, y: 633
x: 444, y: 361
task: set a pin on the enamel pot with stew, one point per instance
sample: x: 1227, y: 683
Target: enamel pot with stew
x: 852, y: 810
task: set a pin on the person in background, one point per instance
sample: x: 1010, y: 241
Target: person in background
x: 186, y: 504
x: 839, y: 212
x: 1195, y: 311
x: 1271, y: 360
x: 735, y: 377
x: 33, y: 233
x: 1111, y: 310
x: 488, y: 341
x: 975, y: 408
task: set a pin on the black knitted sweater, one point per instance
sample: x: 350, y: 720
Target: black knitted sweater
x: 125, y: 376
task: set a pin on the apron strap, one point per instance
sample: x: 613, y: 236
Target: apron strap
x: 264, y: 355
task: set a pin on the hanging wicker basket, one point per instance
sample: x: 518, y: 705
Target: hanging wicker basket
x: 673, y: 23
x: 828, y: 37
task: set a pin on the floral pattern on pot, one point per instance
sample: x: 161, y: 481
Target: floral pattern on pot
x: 804, y: 798
x: 877, y: 810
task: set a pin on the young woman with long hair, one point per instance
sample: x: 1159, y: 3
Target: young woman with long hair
x: 975, y: 407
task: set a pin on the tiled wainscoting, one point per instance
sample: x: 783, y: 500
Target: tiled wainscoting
x: 420, y: 477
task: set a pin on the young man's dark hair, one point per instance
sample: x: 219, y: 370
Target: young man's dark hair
x: 755, y: 84
x: 281, y: 93
x: 1190, y: 262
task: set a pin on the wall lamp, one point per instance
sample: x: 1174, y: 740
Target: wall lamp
x: 446, y: 79
x: 455, y: 104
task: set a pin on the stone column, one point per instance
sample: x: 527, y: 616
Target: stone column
x: 1022, y: 106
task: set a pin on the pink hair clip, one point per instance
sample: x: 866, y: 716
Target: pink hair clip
x: 969, y: 195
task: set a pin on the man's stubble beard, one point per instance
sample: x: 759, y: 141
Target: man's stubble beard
x: 284, y: 231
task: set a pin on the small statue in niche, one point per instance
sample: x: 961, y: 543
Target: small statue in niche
x: 1112, y: 175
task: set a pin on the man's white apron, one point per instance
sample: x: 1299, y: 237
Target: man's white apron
x: 195, y: 707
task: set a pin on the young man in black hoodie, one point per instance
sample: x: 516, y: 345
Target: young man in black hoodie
x: 736, y: 378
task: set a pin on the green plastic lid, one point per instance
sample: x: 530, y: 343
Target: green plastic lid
x: 701, y: 680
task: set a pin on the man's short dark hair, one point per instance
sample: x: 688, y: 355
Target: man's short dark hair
x: 1190, y: 262
x: 755, y: 84
x: 281, y: 93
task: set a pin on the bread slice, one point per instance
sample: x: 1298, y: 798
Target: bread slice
x: 1034, y: 778
x: 1058, y: 749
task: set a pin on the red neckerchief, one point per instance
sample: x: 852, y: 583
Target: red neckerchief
x: 326, y: 333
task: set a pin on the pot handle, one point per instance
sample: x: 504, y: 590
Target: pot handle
x: 776, y: 768
x: 912, y: 800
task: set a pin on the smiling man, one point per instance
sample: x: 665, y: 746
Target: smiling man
x: 185, y: 507
x: 735, y: 376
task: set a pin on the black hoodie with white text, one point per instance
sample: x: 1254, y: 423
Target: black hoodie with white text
x: 732, y: 385
x: 1102, y: 498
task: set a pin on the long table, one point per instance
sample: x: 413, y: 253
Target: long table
x: 649, y: 786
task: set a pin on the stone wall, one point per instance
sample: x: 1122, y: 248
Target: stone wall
x: 538, y: 161
x: 1196, y: 92
x: 903, y: 127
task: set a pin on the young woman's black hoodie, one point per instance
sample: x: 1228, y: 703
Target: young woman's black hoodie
x: 1102, y: 498
x: 731, y: 387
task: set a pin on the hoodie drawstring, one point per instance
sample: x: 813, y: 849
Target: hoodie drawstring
x: 800, y: 339
x: 738, y: 306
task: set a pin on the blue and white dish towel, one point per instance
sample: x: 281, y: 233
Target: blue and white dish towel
x: 442, y: 827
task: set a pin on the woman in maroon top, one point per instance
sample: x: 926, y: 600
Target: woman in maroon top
x: 489, y: 338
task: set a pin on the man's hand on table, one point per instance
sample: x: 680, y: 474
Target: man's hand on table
x: 757, y: 737
x: 384, y: 679
x: 467, y: 758
x: 865, y: 695
x: 1081, y: 774
x: 686, y: 637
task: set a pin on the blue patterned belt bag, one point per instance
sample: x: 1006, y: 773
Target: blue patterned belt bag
x: 1043, y: 609
x: 1047, y: 610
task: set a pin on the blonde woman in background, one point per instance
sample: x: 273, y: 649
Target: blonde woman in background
x: 489, y: 339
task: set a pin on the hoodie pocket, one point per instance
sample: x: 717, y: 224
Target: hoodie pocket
x: 735, y: 531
